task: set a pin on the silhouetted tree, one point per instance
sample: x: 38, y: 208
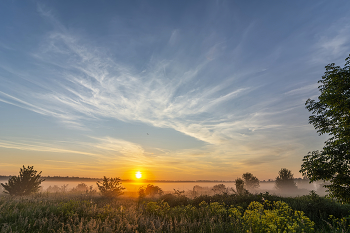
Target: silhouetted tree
x: 53, y: 189
x: 240, y: 186
x: 91, y: 189
x: 200, y: 190
x: 179, y: 193
x: 219, y: 188
x: 250, y: 181
x: 150, y: 190
x: 141, y: 192
x: 82, y: 187
x: 26, y: 183
x: 64, y: 188
x: 110, y: 187
x: 285, y: 180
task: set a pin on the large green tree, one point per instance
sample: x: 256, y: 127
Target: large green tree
x: 26, y: 183
x: 331, y: 115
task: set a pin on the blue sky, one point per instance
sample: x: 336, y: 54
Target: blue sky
x: 174, y: 89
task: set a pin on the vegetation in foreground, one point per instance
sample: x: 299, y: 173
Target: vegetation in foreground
x: 172, y: 213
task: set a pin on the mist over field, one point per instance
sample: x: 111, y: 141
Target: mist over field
x: 201, y: 188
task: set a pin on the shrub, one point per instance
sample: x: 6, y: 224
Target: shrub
x: 82, y: 187
x: 275, y: 217
x: 110, y: 187
x: 150, y: 190
x: 26, y: 183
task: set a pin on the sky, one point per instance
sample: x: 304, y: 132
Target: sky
x: 178, y: 90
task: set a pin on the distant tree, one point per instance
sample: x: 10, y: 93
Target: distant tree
x: 53, y: 189
x: 152, y: 190
x: 26, y: 183
x: 179, y: 193
x: 82, y: 187
x: 200, y: 190
x: 250, y: 181
x: 197, y: 189
x: 285, y: 180
x: 240, y: 186
x: 91, y: 189
x: 331, y: 115
x: 219, y: 188
x: 149, y: 190
x: 110, y: 187
x: 64, y: 188
x: 141, y: 192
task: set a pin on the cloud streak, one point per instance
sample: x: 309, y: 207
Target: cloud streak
x: 32, y: 146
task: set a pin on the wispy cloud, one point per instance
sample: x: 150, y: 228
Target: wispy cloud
x: 304, y: 90
x: 92, y: 85
x: 32, y: 146
x: 334, y: 42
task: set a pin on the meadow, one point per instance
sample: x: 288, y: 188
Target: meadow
x: 91, y: 212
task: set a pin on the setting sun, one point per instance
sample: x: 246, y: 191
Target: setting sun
x: 138, y: 175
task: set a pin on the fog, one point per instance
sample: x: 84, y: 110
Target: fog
x: 192, y: 188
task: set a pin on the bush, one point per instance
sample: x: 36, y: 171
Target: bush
x: 110, y: 187
x: 275, y: 217
x: 26, y: 183
x: 150, y: 190
x: 82, y: 187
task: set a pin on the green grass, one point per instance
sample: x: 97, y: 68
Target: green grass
x: 171, y: 213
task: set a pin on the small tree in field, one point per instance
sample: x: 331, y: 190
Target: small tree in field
x: 250, y: 181
x: 53, y: 189
x: 110, y: 187
x: 150, y: 190
x: 240, y: 186
x: 285, y: 180
x: 26, y: 183
x: 141, y: 192
x: 82, y: 187
x: 219, y: 188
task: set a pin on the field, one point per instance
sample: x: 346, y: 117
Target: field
x: 90, y: 212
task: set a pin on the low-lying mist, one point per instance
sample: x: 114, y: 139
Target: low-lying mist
x: 190, y: 189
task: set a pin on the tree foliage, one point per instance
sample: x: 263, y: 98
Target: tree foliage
x: 240, y: 186
x: 219, y: 189
x: 82, y: 187
x: 150, y: 190
x: 250, y: 181
x: 331, y: 115
x: 26, y: 183
x: 110, y: 187
x: 285, y: 180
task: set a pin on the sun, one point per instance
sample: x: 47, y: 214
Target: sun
x: 138, y: 175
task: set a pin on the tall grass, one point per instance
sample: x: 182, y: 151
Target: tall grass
x: 171, y: 213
